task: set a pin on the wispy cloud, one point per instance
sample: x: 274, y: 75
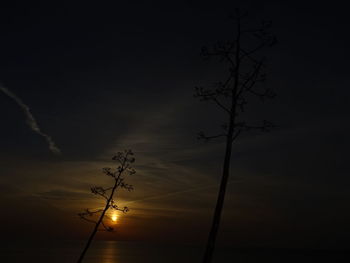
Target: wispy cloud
x: 64, y: 195
x: 31, y: 121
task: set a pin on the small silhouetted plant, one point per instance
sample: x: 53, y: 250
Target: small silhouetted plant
x: 124, y: 167
x: 246, y: 66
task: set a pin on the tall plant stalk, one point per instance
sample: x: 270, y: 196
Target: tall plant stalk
x: 245, y: 72
x: 124, y: 159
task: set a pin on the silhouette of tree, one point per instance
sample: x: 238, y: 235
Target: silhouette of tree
x: 124, y: 168
x: 246, y: 67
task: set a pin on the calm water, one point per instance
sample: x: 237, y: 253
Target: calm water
x: 133, y: 252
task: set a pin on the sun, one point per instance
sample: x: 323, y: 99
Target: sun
x: 114, y: 218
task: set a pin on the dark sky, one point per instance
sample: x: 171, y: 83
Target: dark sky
x: 99, y: 78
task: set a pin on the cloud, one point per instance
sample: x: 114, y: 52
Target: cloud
x: 32, y: 123
x: 64, y: 195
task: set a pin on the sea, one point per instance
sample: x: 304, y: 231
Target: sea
x: 139, y: 252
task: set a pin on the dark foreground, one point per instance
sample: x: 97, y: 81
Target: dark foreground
x: 133, y: 252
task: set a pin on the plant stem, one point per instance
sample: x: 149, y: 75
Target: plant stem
x: 98, y: 222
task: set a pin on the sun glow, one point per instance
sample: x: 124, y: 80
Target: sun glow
x: 114, y: 218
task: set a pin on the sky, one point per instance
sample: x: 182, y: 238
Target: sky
x: 79, y: 83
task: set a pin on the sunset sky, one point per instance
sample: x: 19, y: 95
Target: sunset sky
x: 99, y: 79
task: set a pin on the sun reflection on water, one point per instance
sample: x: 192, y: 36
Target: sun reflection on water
x: 110, y: 252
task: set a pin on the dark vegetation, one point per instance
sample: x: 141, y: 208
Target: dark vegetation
x: 245, y: 71
x: 124, y: 168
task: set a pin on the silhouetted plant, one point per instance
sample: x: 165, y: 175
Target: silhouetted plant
x: 245, y: 71
x: 125, y: 160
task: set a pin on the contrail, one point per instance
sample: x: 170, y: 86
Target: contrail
x: 32, y: 123
x: 189, y: 190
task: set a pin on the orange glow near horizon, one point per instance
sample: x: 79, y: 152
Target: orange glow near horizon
x: 114, y: 217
